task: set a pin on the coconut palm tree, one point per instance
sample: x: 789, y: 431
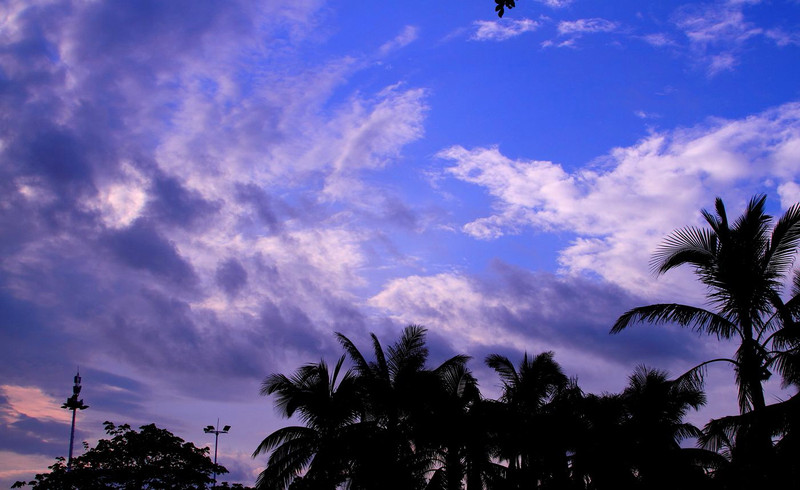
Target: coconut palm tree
x: 743, y: 266
x: 327, y: 406
x: 399, y: 394
x: 531, y: 441
x: 655, y: 408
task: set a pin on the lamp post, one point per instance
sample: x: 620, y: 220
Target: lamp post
x: 210, y: 429
x: 74, y: 404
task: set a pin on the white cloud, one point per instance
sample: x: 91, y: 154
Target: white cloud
x: 783, y: 38
x: 646, y: 115
x: 573, y: 30
x: 718, y: 32
x: 449, y: 303
x: 556, y: 3
x: 721, y: 62
x: 586, y: 26
x: 502, y: 29
x: 789, y: 193
x: 659, y: 39
x: 406, y: 37
x: 716, y: 24
x: 622, y: 209
x: 368, y: 134
x: 121, y: 201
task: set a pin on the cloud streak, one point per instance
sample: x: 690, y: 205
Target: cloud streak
x: 502, y: 30
x: 621, y: 208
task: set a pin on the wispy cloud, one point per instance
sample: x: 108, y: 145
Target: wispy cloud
x: 717, y: 33
x: 30, y: 401
x: 659, y: 39
x: 167, y: 183
x: 586, y: 26
x: 716, y: 24
x: 621, y: 210
x: 556, y: 3
x: 512, y: 309
x: 500, y: 30
x: 646, y: 115
x: 783, y: 38
x: 406, y: 37
x: 570, y: 31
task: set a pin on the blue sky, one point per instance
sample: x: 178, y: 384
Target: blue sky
x: 196, y: 194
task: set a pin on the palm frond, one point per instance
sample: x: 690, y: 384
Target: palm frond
x: 284, y: 435
x: 784, y: 242
x: 685, y: 431
x: 359, y: 362
x: 690, y: 245
x: 504, y: 367
x: 787, y: 363
x: 698, y: 319
x: 283, y: 466
x: 409, y: 352
x: 705, y: 458
x: 719, y: 434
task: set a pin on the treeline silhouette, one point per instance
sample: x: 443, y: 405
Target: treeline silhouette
x: 392, y: 422
x: 148, y: 458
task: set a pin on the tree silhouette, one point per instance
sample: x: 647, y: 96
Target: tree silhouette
x: 149, y: 458
x: 532, y: 439
x: 502, y: 5
x: 655, y: 408
x: 327, y: 406
x: 398, y: 392
x: 390, y: 422
x: 743, y: 267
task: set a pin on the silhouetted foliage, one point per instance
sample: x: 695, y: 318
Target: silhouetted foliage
x: 502, y: 5
x: 150, y: 458
x: 743, y: 266
x: 392, y: 422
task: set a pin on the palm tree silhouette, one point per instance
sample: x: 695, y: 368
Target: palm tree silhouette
x: 399, y: 394
x: 743, y: 267
x: 532, y: 442
x: 655, y: 407
x: 327, y: 406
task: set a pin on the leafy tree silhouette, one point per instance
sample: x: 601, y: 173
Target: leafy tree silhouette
x: 149, y: 458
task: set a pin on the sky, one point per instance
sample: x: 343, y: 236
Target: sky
x: 197, y: 194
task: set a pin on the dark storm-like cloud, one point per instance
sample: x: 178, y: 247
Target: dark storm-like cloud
x: 113, y: 392
x: 33, y: 346
x: 231, y: 276
x: 290, y: 327
x: 579, y: 312
x: 174, y: 205
x: 56, y: 155
x: 140, y: 246
x: 262, y: 205
x: 141, y: 238
x: 28, y: 435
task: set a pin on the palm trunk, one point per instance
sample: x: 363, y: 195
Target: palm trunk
x: 754, y: 443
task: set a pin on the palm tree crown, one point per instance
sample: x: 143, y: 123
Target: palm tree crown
x: 743, y: 266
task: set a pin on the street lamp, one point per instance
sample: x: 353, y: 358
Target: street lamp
x: 74, y: 404
x: 210, y: 429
